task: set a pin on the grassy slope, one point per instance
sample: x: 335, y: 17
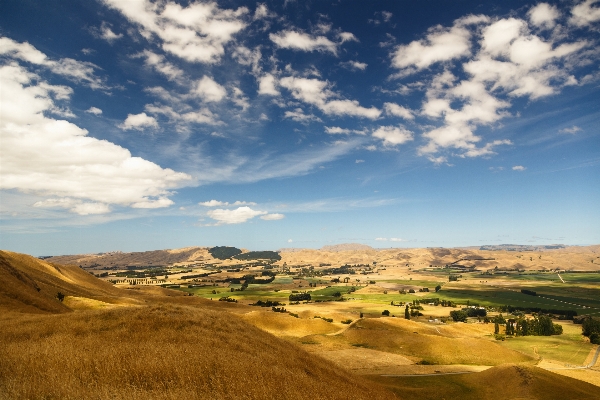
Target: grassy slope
x: 161, y: 352
x: 31, y: 285
x: 168, y: 346
x: 501, y: 383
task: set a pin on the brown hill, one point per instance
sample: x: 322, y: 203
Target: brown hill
x: 143, y: 258
x: 31, y: 285
x: 346, y: 247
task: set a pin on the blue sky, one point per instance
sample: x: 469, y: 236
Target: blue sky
x: 138, y: 125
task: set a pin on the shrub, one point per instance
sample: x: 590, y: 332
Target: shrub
x: 386, y: 313
x: 347, y: 321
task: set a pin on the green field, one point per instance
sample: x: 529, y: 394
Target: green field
x: 569, y: 348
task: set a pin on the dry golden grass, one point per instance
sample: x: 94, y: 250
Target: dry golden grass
x: 161, y: 352
x: 31, y: 285
x: 421, y: 342
x: 519, y: 382
x: 286, y: 325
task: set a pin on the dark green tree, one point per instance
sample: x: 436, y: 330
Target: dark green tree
x: 406, y: 313
x: 496, y: 328
x: 60, y: 296
x: 437, y: 288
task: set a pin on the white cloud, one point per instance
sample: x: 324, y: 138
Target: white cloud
x: 381, y: 239
x: 196, y: 33
x: 217, y: 203
x: 213, y: 203
x: 209, y: 90
x: 335, y: 130
x: 290, y: 241
x: 398, y: 111
x: 485, y: 150
x: 393, y: 135
x: 200, y: 116
x: 354, y: 65
x: 316, y: 92
x: 544, y: 15
x: 272, y: 217
x: 75, y: 206
x: 237, y: 216
x: 511, y: 62
x: 572, y: 130
x: 347, y: 37
x: 441, y: 44
x: 518, y: 168
x: 585, y: 13
x: 160, y: 64
x: 267, y: 85
x: 299, y: 116
x: 90, y: 174
x: 302, y: 41
x: 359, y: 161
x: 78, y: 71
x: 138, y: 122
x: 262, y: 12
x: 397, y: 240
x: 106, y: 33
x: 94, y: 110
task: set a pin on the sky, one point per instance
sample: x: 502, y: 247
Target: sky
x: 139, y: 125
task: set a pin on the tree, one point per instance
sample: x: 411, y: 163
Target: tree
x: 437, y: 288
x: 406, y: 313
x: 386, y: 313
x: 496, y: 328
x: 60, y: 296
x: 459, y: 316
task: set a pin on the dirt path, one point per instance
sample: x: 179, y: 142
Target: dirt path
x: 593, y: 362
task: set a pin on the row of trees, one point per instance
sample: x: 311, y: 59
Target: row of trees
x: 539, y: 325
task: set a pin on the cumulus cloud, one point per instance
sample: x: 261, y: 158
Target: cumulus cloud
x: 585, y: 13
x: 393, y: 135
x: 196, y: 33
x: 161, y: 65
x: 398, y: 111
x: 236, y: 216
x: 77, y: 71
x: 318, y: 93
x: 299, y: 116
x: 267, y: 85
x: 543, y: 15
x: 209, y: 90
x: 105, y: 32
x: 74, y: 205
x: 139, y: 122
x: 336, y: 130
x: 440, y: 44
x: 302, y: 41
x: 518, y: 168
x: 94, y: 110
x: 73, y: 170
x: 354, y: 65
x: 510, y: 62
x: 272, y: 217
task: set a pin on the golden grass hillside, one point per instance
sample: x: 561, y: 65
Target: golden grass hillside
x: 423, y: 343
x: 162, y: 352
x: 509, y: 381
x: 31, y: 285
